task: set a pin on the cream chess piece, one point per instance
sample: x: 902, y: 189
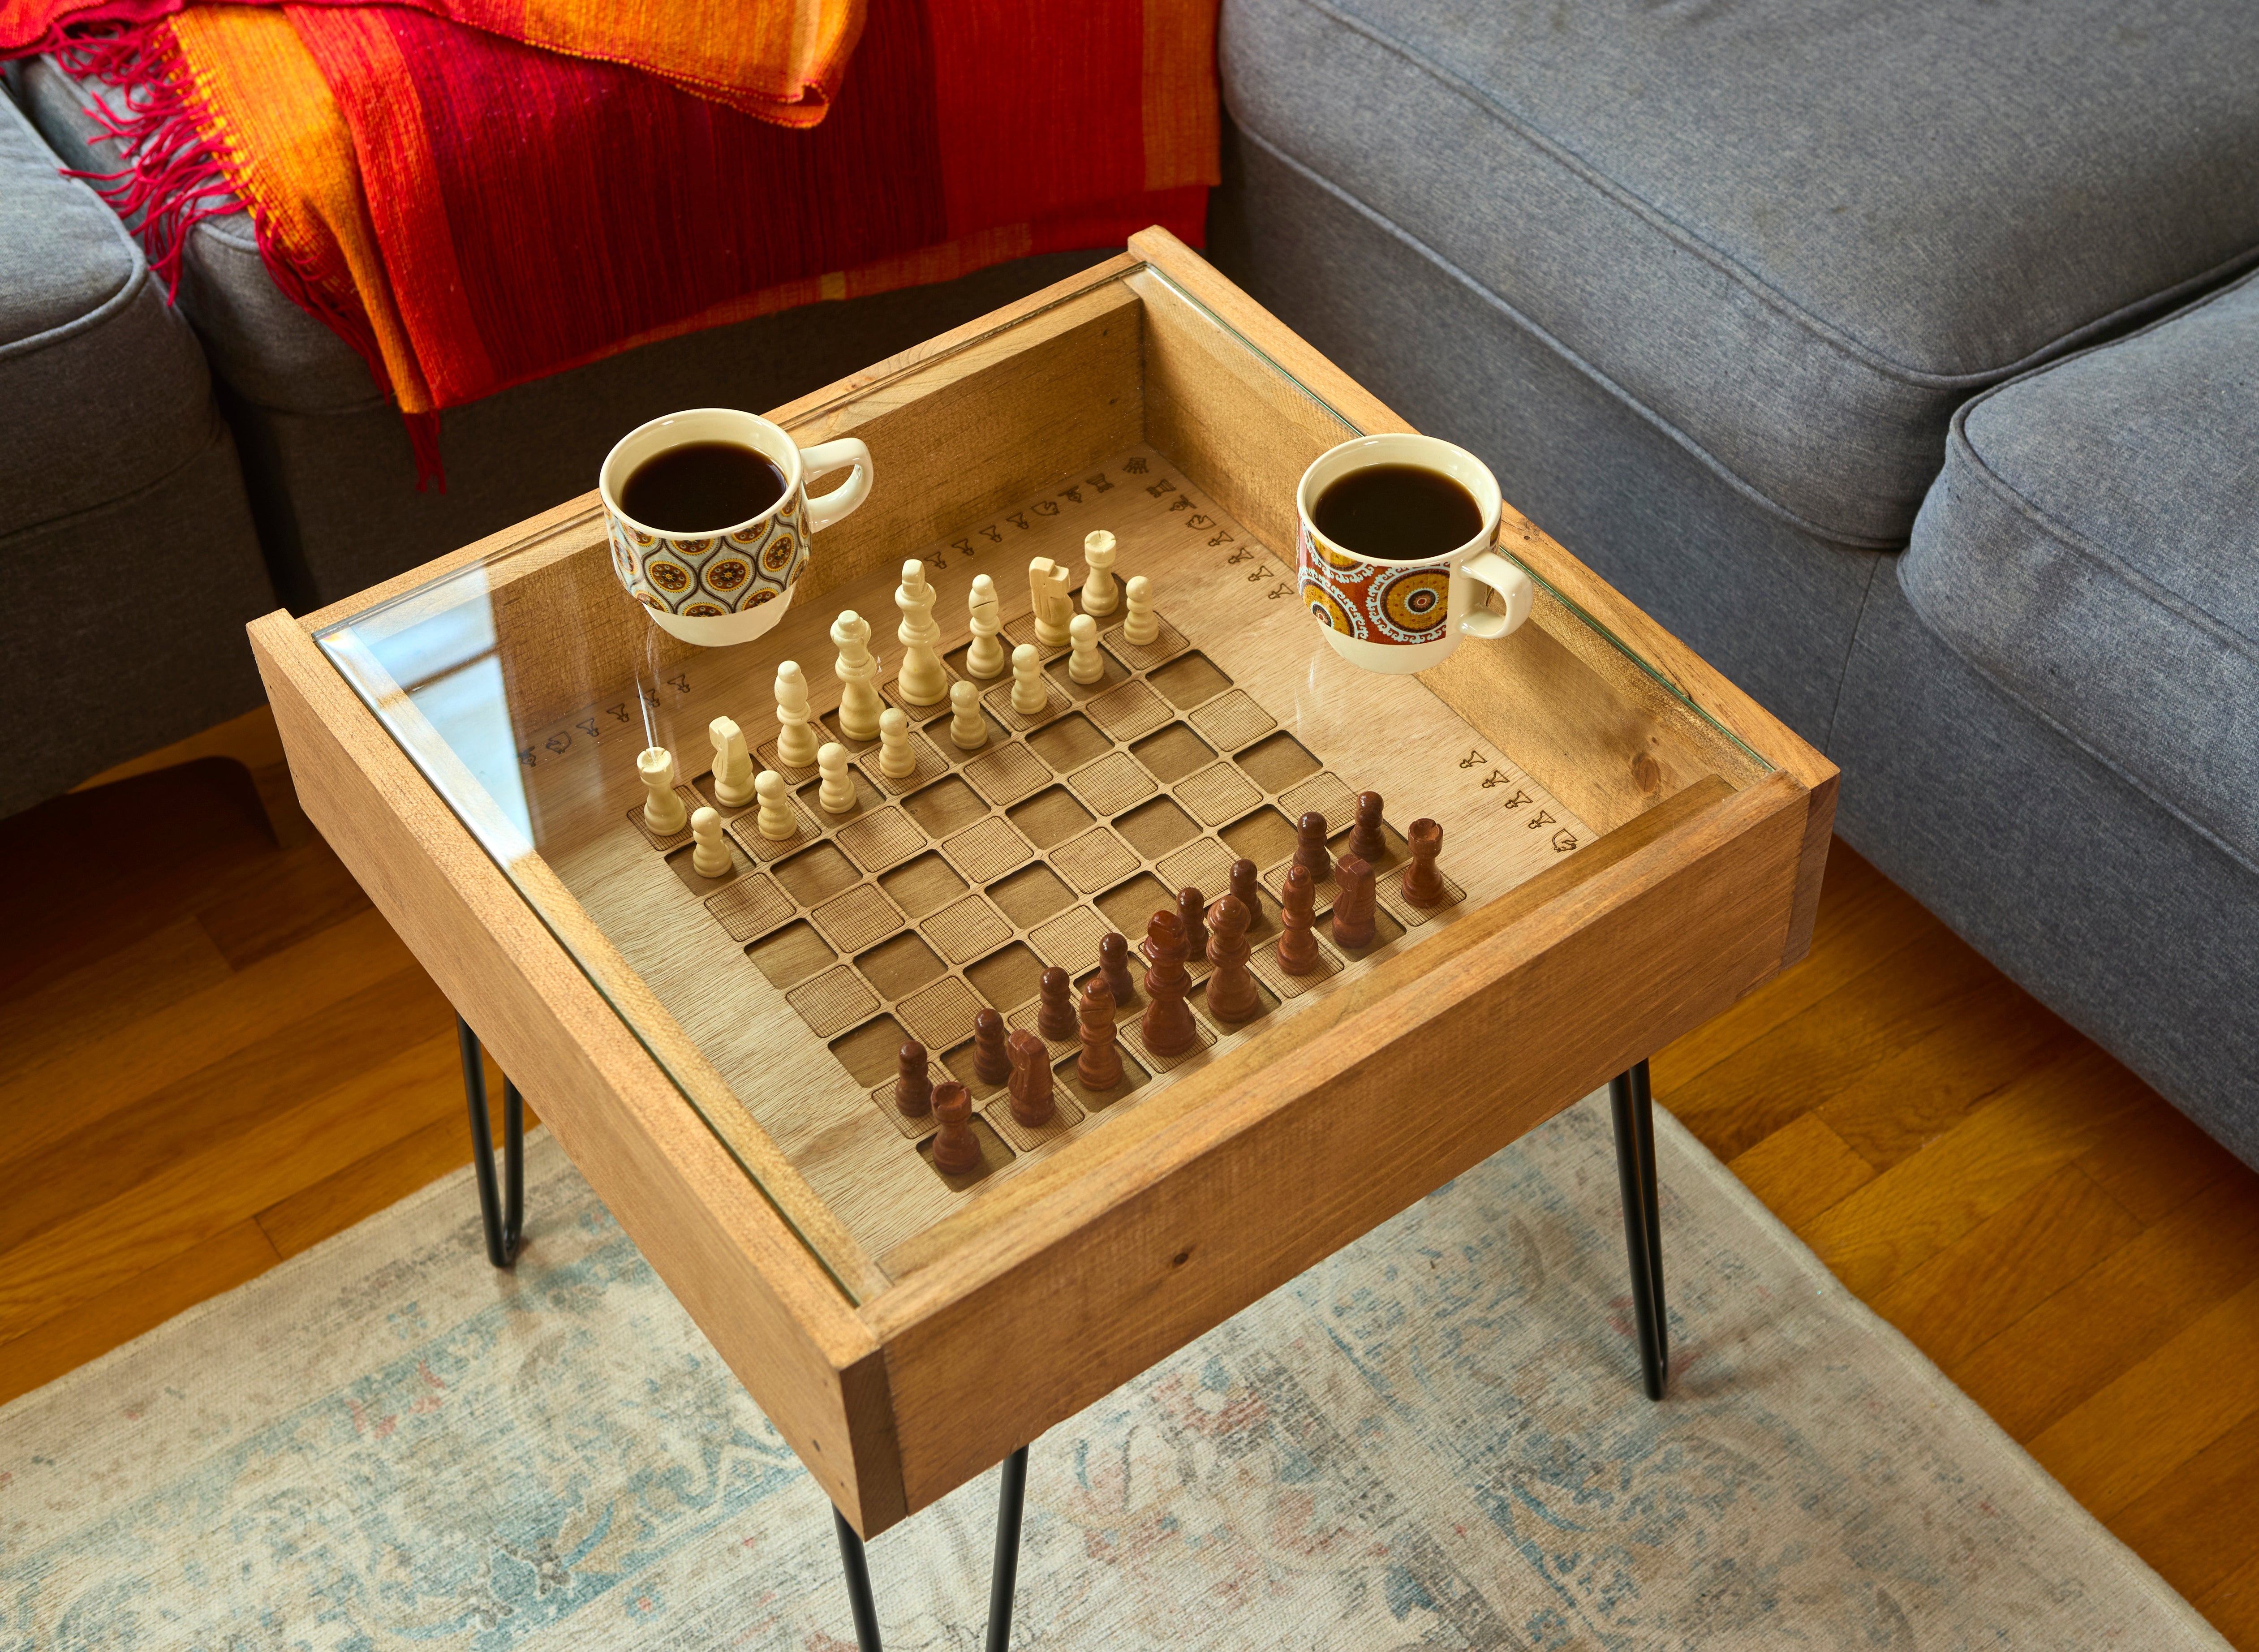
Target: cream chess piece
x: 1027, y: 694
x: 711, y: 857
x: 1084, y: 665
x: 986, y: 656
x: 774, y: 821
x: 896, y: 760
x: 922, y: 680
x: 858, y: 671
x: 968, y: 730
x: 733, y: 770
x: 795, y: 735
x: 837, y: 794
x: 662, y: 807
x: 1101, y: 595
x: 1053, y: 603
x: 1141, y: 628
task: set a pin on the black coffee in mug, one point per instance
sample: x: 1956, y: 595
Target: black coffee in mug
x: 1396, y: 513
x: 701, y: 487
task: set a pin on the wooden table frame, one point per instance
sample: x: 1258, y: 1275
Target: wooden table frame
x: 1122, y: 1248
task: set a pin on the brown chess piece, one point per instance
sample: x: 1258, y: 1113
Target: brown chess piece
x: 1298, y: 948
x: 913, y: 1084
x: 1113, y: 964
x: 1099, y: 1067
x: 1310, y: 850
x: 1232, y: 995
x: 1055, y: 1012
x: 1168, y: 1027
x: 956, y: 1150
x: 1366, y: 841
x: 1031, y: 1079
x: 1191, y: 912
x: 1423, y: 886
x: 1354, y: 925
x: 990, y: 1063
x: 1245, y: 885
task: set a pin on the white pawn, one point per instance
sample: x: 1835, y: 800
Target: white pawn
x: 922, y: 680
x: 711, y: 857
x: 1100, y: 593
x: 1084, y: 665
x: 662, y: 807
x: 1051, y: 599
x: 774, y: 820
x: 986, y: 656
x: 858, y: 671
x: 1141, y: 627
x: 968, y: 730
x: 896, y: 760
x: 1028, y: 695
x: 733, y: 770
x: 837, y: 794
x: 795, y: 737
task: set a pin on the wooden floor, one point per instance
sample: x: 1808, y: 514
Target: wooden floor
x: 213, y: 1054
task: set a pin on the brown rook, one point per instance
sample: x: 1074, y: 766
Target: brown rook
x: 1055, y: 1014
x: 1422, y: 885
x: 1031, y: 1079
x: 1099, y: 1065
x: 1298, y: 948
x: 913, y: 1084
x: 1366, y: 841
x: 1353, y: 919
x: 956, y: 1150
x: 1232, y: 995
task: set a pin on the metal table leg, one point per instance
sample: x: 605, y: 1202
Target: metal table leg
x: 502, y: 1211
x: 1003, y: 1576
x: 1632, y: 1105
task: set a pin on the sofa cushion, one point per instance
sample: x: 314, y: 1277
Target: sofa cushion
x: 1795, y: 233
x: 2092, y: 547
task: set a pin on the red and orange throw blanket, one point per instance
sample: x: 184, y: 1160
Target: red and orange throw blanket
x: 475, y: 193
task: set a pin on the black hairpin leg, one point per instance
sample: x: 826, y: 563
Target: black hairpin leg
x: 503, y: 1211
x: 1003, y: 1577
x: 1634, y: 1106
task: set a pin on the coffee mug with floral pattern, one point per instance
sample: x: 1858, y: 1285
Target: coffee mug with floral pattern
x: 731, y: 585
x: 1400, y: 617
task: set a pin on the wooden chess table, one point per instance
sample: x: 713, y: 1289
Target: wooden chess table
x: 1631, y: 844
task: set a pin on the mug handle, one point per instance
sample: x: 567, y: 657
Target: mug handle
x: 1488, y: 567
x: 841, y: 500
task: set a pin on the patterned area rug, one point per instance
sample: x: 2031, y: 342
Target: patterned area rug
x: 1435, y: 1440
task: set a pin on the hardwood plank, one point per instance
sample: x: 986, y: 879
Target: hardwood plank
x: 306, y: 891
x: 2007, y: 1265
x: 1802, y: 1169
x: 86, y: 1330
x: 2232, y: 1605
x: 2177, y: 1525
x: 2159, y: 1161
x: 64, y: 1016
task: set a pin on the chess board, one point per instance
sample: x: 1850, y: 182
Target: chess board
x: 801, y: 972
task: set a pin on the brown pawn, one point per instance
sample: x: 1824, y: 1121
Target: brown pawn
x: 1099, y: 1065
x: 1247, y: 885
x: 956, y: 1150
x: 1310, y: 852
x: 1032, y: 1081
x: 1232, y: 994
x: 1113, y: 964
x: 1353, y: 919
x: 1366, y: 841
x: 1191, y: 912
x: 1168, y: 1027
x: 990, y: 1063
x: 913, y: 1084
x: 1423, y: 885
x: 1298, y: 948
x: 1055, y: 1014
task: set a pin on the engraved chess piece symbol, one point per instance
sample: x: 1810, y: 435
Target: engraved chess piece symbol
x: 896, y: 760
x: 1055, y: 1009
x: 1310, y: 852
x: 1099, y: 1066
x: 733, y: 770
x: 913, y: 1082
x: 795, y: 740
x: 857, y: 669
x: 1053, y: 603
x: 1084, y: 665
x: 921, y: 681
x: 1298, y: 947
x: 1366, y: 840
x: 773, y: 820
x: 837, y: 794
x: 1141, y: 626
x: 662, y: 807
x: 1354, y: 923
x: 1232, y: 995
x: 1168, y: 1027
x: 1032, y: 1081
x: 1246, y: 886
x: 1422, y: 885
x: 711, y: 857
x: 1028, y: 697
x: 990, y: 1063
x: 1114, y: 964
x: 956, y: 1149
x: 1101, y: 595
x: 985, y: 657
x: 968, y: 730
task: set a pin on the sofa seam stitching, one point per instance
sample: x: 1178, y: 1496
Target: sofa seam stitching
x: 219, y: 432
